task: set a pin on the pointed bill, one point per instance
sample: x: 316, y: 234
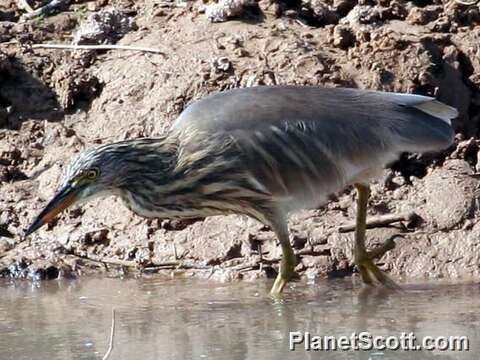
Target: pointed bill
x: 62, y: 200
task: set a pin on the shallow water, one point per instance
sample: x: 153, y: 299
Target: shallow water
x: 186, y: 319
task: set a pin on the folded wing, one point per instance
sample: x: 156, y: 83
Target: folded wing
x: 303, y: 143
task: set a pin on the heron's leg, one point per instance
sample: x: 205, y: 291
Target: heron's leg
x: 364, y: 259
x: 287, y: 264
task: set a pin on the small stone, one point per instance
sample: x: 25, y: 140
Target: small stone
x: 399, y: 181
x: 103, y: 27
x: 221, y: 64
x: 227, y: 9
x: 318, y: 12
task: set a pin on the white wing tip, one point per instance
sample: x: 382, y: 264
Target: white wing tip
x: 438, y: 110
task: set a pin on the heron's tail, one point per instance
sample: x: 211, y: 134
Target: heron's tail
x: 426, y: 104
x: 438, y: 109
x: 425, y: 122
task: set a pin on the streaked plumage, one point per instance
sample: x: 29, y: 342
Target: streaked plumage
x: 263, y: 152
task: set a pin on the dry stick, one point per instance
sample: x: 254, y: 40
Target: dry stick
x: 466, y: 3
x: 132, y: 264
x: 97, y: 47
x: 261, y: 261
x: 380, y: 221
x: 107, y: 261
x: 112, y: 332
x: 44, y: 10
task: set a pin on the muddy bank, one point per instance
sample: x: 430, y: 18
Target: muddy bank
x: 55, y: 103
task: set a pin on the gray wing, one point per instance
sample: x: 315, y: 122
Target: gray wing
x: 306, y: 142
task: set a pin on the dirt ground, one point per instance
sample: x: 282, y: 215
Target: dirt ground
x: 55, y: 103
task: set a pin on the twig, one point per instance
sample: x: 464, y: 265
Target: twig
x: 112, y: 332
x: 312, y: 251
x: 175, y: 265
x: 44, y: 10
x: 97, y: 47
x: 248, y: 266
x: 380, y: 221
x: 466, y: 3
x: 152, y: 267
x: 107, y: 261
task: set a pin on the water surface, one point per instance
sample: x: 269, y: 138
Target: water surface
x: 187, y: 319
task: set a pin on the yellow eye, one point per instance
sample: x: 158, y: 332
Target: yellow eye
x: 92, y: 174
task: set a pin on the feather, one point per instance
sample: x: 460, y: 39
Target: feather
x: 303, y: 143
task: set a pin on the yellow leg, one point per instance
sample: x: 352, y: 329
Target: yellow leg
x: 287, y: 265
x: 363, y: 259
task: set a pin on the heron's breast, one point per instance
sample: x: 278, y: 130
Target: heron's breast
x: 179, y: 207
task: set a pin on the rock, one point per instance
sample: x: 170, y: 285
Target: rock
x: 270, y: 7
x: 362, y: 15
x: 451, y: 195
x: 394, y: 10
x: 423, y: 16
x: 220, y: 64
x: 317, y: 12
x: 103, y: 27
x: 227, y: 9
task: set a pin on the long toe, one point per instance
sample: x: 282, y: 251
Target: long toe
x: 365, y: 274
x: 371, y: 274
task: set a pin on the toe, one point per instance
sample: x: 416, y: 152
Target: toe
x: 381, y: 277
x: 365, y: 274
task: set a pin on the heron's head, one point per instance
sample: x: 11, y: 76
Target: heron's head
x: 103, y: 171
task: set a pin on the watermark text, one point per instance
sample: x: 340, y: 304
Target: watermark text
x: 366, y: 341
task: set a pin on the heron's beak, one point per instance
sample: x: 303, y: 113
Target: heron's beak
x: 62, y: 200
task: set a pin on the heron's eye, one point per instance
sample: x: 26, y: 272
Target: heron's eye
x: 92, y: 174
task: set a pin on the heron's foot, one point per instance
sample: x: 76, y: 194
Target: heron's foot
x: 285, y: 273
x: 370, y: 272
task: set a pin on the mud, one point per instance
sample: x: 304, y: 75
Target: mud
x: 55, y: 103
